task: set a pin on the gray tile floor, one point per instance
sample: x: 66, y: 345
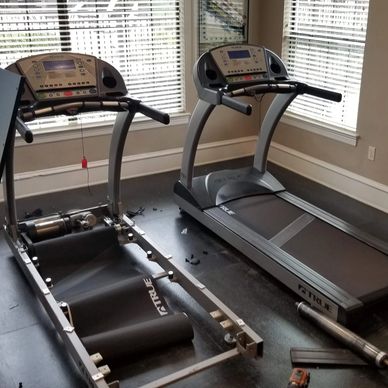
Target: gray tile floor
x: 32, y: 354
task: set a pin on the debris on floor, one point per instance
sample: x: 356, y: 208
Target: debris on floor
x: 138, y: 212
x: 193, y: 260
x: 35, y: 213
x: 13, y: 306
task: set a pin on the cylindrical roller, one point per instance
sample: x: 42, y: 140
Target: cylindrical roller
x: 344, y: 335
x: 128, y: 302
x: 140, y: 338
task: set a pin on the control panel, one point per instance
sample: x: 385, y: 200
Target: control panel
x: 67, y: 76
x: 240, y: 63
x: 237, y: 65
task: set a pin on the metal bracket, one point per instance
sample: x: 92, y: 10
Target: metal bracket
x: 68, y: 329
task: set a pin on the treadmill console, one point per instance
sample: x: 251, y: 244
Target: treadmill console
x: 67, y: 76
x: 234, y: 66
x: 240, y: 63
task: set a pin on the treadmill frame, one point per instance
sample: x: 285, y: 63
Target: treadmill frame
x: 248, y: 343
x: 189, y: 196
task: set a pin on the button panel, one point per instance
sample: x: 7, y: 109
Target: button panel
x: 66, y: 93
x: 60, y: 75
x: 236, y: 60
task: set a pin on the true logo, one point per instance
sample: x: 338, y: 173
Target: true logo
x: 154, y: 297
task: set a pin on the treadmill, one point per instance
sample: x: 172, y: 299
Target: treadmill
x: 93, y: 269
x: 334, y: 266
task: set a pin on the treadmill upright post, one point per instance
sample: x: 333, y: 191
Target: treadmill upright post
x: 270, y: 122
x: 9, y: 189
x: 198, y: 119
x: 119, y: 135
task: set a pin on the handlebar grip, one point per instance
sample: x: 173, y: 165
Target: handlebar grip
x: 24, y: 131
x: 153, y: 113
x: 236, y: 105
x: 322, y: 93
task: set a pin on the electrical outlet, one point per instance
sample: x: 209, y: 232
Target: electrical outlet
x: 371, y: 152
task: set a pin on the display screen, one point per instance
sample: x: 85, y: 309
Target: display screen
x: 239, y: 54
x: 67, y: 64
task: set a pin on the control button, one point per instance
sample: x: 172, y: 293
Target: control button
x: 67, y: 93
x: 247, y: 77
x: 93, y: 91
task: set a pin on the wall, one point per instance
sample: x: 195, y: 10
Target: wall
x: 372, y: 124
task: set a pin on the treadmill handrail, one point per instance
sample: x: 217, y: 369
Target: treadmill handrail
x: 236, y: 104
x: 75, y: 107
x: 23, y: 130
x: 286, y: 87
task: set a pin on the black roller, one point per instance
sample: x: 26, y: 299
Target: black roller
x: 130, y: 340
x: 61, y: 256
x: 130, y: 301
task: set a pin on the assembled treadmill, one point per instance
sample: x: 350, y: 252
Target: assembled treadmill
x: 87, y: 266
x: 331, y: 264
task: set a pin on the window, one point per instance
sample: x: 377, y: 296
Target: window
x: 323, y: 45
x: 142, y: 39
x: 221, y: 22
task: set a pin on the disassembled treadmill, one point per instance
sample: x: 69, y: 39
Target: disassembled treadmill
x: 85, y: 265
x: 334, y: 266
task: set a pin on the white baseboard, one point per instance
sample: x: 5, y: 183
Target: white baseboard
x: 64, y: 178
x: 69, y: 177
x: 362, y: 189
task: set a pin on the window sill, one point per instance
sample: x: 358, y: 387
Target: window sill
x: 327, y: 130
x: 99, y: 129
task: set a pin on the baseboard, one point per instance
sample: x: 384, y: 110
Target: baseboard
x: 362, y: 189
x: 69, y: 177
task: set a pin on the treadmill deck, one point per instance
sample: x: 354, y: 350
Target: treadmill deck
x: 353, y: 266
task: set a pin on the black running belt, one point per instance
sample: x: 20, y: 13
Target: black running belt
x: 116, y: 310
x: 127, y: 318
x: 60, y: 256
x: 142, y: 337
x: 128, y: 302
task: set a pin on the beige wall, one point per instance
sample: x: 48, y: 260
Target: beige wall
x: 223, y: 125
x: 373, y: 108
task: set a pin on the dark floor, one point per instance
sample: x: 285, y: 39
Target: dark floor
x: 32, y: 354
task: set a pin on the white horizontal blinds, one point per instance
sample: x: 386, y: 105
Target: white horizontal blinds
x: 222, y: 21
x: 323, y: 45
x: 142, y: 39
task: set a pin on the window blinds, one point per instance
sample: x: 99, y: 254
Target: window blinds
x: 323, y: 45
x: 142, y: 39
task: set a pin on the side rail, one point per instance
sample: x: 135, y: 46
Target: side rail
x: 248, y: 343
